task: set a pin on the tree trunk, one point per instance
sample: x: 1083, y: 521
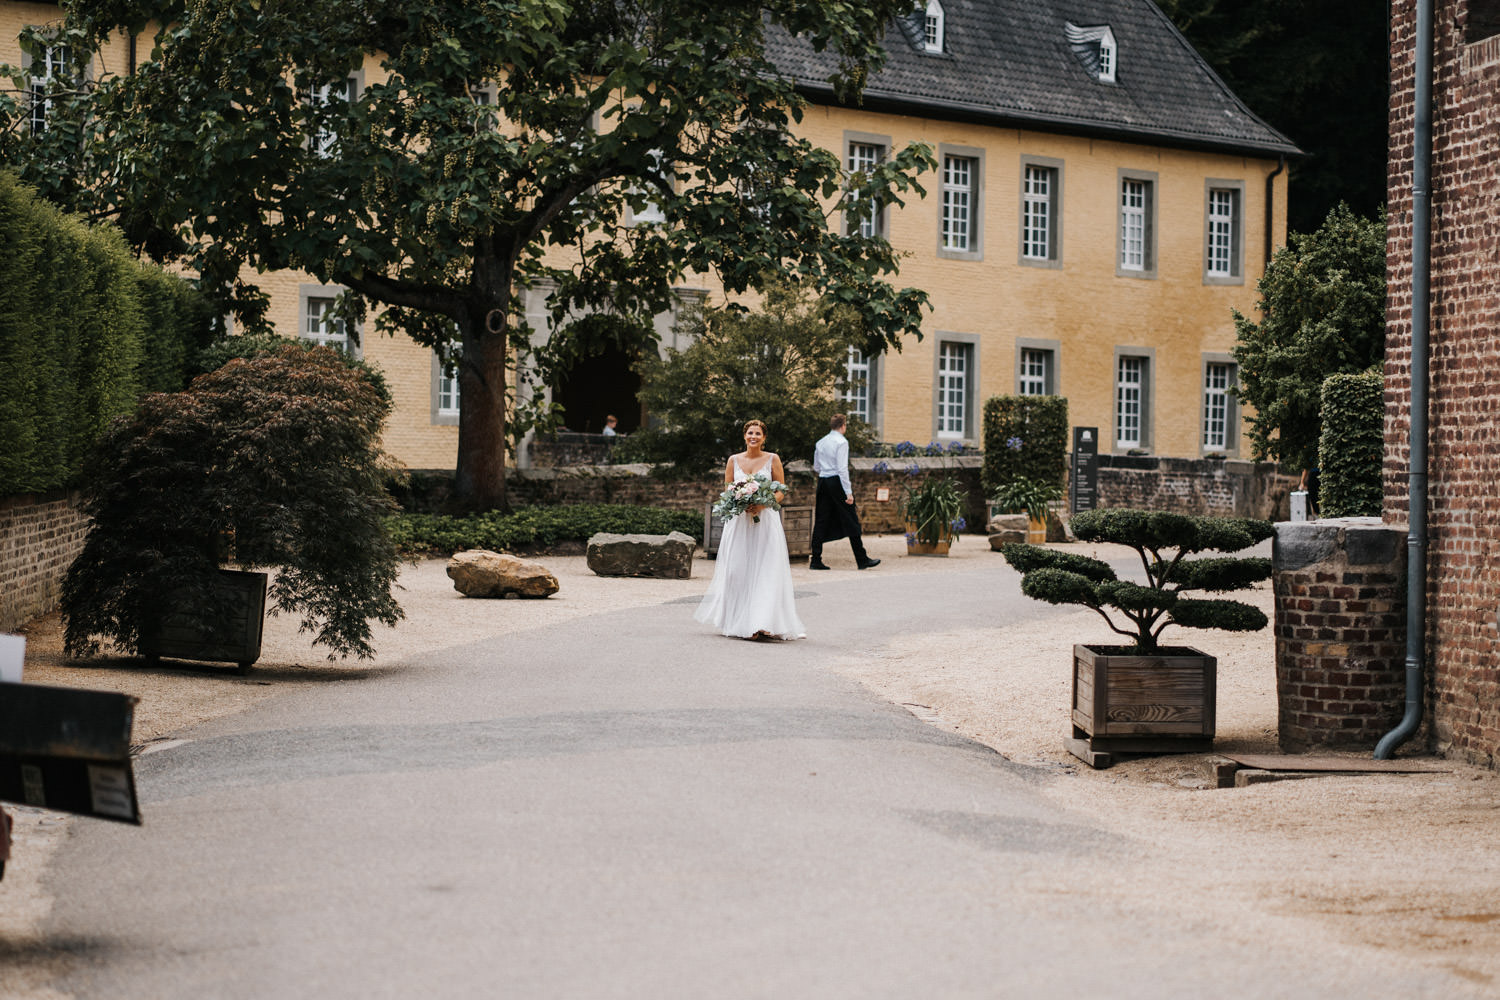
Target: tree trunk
x: 480, y: 477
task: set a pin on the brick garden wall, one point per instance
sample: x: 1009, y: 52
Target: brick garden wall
x: 1463, y: 528
x: 1222, y: 488
x: 40, y: 536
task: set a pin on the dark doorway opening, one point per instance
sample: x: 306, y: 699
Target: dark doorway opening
x: 597, y: 387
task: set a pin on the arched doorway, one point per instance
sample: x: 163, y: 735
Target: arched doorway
x: 597, y: 387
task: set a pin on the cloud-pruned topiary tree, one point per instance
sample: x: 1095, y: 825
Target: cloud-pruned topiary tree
x: 1163, y: 542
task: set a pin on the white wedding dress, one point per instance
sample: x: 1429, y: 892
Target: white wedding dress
x: 751, y: 590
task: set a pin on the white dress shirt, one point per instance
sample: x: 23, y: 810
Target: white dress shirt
x: 831, y: 458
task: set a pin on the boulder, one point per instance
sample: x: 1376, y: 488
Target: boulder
x: 1007, y: 528
x: 481, y: 573
x: 667, y: 556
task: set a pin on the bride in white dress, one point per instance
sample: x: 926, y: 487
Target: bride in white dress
x: 751, y: 593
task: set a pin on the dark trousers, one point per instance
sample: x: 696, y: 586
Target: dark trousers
x: 834, y: 519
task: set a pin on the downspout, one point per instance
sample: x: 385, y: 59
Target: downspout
x: 1416, y: 474
x: 1271, y: 206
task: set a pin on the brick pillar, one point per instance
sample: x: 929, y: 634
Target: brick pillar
x: 1340, y: 631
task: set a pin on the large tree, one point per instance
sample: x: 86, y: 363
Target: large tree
x: 501, y: 145
x: 1322, y: 306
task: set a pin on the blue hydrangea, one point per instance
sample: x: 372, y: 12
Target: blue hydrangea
x: 906, y: 448
x: 934, y: 447
x: 914, y: 469
x: 881, y: 467
x: 1013, y: 443
x: 956, y: 447
x: 959, y: 524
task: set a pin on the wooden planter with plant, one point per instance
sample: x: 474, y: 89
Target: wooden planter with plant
x: 1141, y: 696
x: 933, y: 511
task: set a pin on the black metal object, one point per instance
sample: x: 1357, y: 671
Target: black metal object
x: 68, y: 750
x: 191, y: 632
x: 1083, y: 478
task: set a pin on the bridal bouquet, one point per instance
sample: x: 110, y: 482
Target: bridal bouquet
x: 759, y: 490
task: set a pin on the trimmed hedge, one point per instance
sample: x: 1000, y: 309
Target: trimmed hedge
x: 1350, y: 445
x: 535, y: 527
x: 85, y: 331
x: 1025, y: 436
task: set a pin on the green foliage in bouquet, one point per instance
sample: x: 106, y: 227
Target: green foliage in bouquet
x: 1163, y: 542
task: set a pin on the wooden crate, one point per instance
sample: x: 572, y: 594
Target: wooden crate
x: 796, y: 522
x: 1141, y: 704
x: 185, y: 634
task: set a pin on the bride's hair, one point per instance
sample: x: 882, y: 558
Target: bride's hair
x: 755, y: 423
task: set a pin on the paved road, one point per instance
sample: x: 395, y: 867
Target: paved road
x: 629, y: 806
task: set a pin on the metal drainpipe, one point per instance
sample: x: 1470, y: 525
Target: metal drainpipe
x: 1271, y: 205
x: 1416, y: 474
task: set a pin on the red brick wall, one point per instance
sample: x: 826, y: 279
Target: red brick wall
x: 1340, y: 629
x: 1463, y: 568
x: 40, y: 536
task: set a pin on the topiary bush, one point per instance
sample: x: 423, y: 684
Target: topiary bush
x: 1025, y: 437
x: 271, y: 461
x: 1163, y: 542
x: 1351, y: 447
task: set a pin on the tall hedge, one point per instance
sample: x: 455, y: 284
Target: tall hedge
x: 1025, y: 436
x: 85, y: 331
x: 1350, y: 445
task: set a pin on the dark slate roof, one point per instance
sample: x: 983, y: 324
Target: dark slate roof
x: 1008, y: 63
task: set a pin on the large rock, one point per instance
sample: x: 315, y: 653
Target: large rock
x: 1007, y: 528
x: 481, y: 573
x: 667, y: 556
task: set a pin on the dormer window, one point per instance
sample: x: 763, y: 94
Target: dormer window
x: 932, y: 27
x: 1095, y: 48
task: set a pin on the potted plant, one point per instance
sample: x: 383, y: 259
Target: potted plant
x: 268, y: 461
x: 1141, y: 696
x: 1031, y: 497
x: 933, y: 512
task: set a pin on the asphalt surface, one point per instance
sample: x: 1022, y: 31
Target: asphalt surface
x: 629, y: 805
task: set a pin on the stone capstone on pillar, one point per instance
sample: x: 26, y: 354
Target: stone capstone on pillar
x: 481, y: 573
x: 665, y: 556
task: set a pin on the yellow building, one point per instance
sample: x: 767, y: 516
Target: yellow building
x: 1102, y: 203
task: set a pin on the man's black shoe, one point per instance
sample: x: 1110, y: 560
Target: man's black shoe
x: 869, y: 564
x: 815, y: 564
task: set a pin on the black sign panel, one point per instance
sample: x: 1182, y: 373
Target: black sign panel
x: 1083, y: 477
x: 68, y: 750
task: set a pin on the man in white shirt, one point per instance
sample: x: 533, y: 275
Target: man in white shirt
x: 835, y: 516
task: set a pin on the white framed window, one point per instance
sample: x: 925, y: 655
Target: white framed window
x: 1041, y: 211
x: 1132, y: 401
x: 445, y: 392
x: 1107, y: 57
x: 863, y: 158
x: 933, y: 27
x: 1034, y: 376
x: 1137, y: 226
x: 321, y: 326
x: 48, y: 70
x: 317, y: 321
x: 320, y: 100
x: 960, y: 235
x: 1219, y: 411
x: 1223, y: 237
x: 859, y: 397
x: 956, y: 382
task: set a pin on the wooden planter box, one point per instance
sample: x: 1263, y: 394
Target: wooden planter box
x: 1141, y: 704
x: 184, y: 633
x: 796, y: 523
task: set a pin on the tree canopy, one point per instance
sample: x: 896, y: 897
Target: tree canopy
x: 783, y: 364
x: 1318, y: 70
x: 599, y: 152
x: 1322, y: 306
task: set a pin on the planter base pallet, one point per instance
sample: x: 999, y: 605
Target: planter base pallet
x: 1100, y: 752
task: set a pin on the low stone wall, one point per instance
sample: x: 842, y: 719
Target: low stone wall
x: 570, y: 448
x: 1340, y: 631
x: 1217, y: 487
x: 40, y: 536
